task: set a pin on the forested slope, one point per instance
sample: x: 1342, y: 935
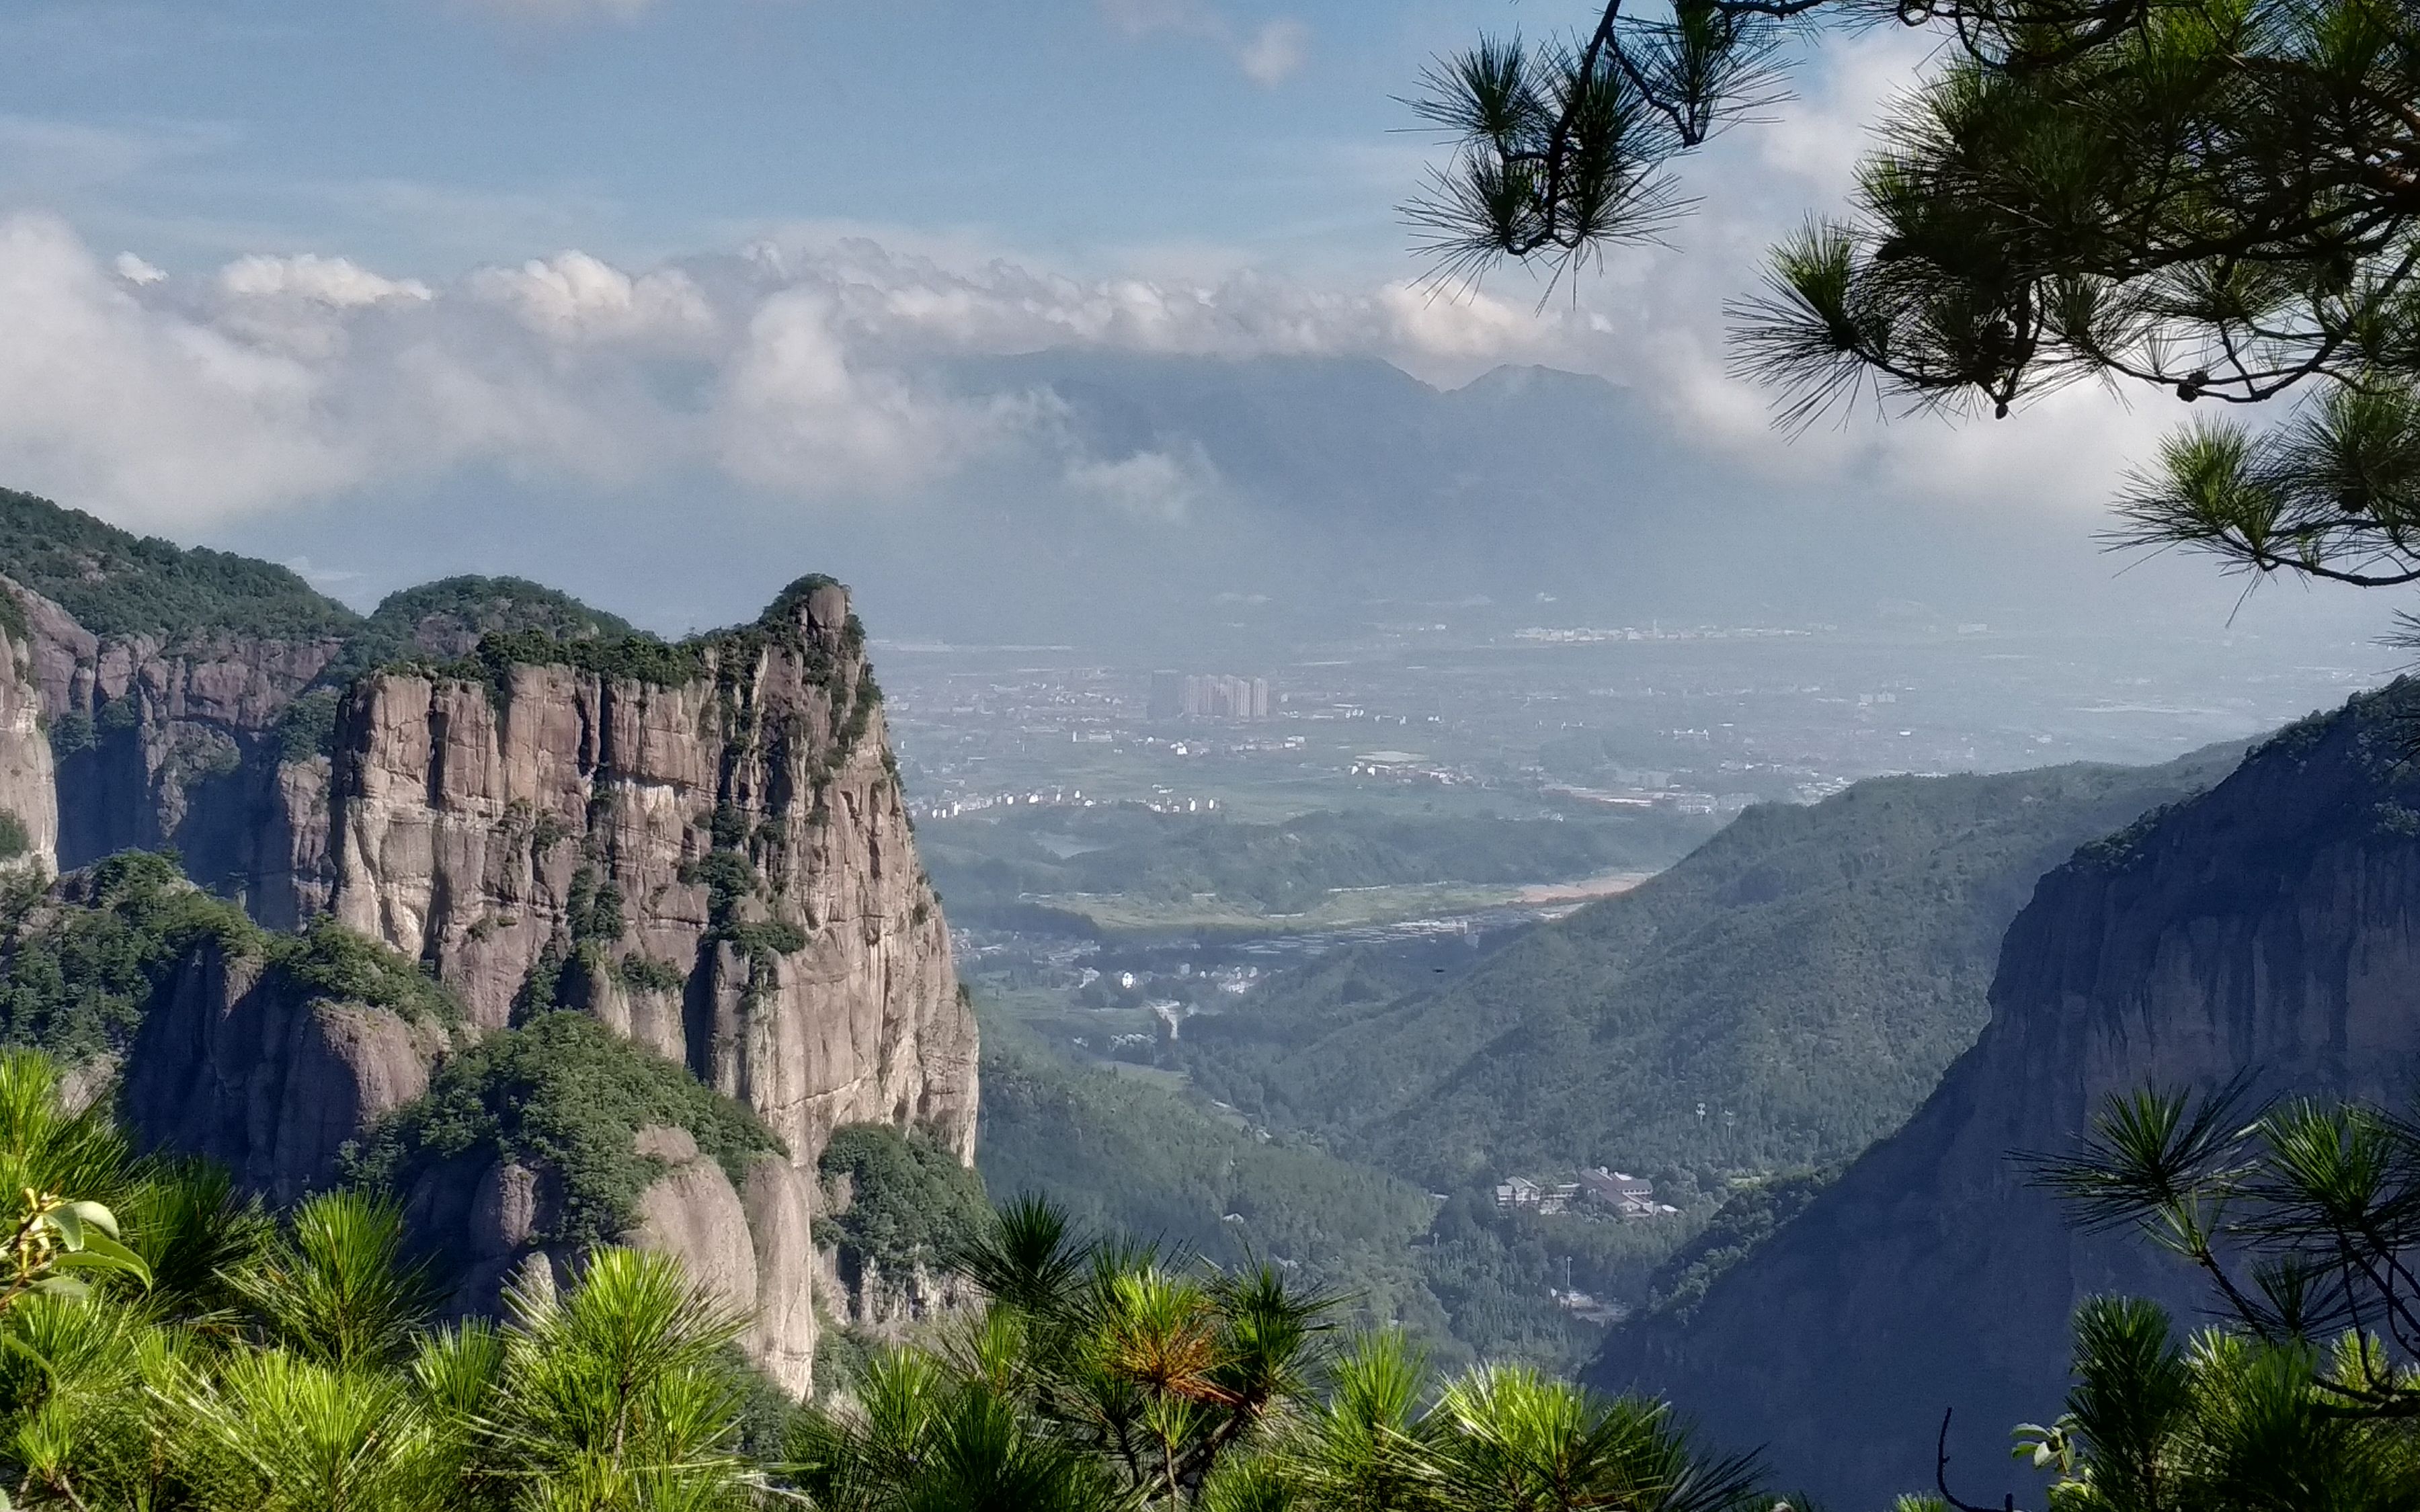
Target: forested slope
x: 1803, y: 978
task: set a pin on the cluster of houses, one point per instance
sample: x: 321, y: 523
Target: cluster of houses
x: 1624, y: 1194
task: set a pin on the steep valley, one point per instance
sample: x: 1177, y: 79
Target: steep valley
x: 2266, y: 928
x: 1780, y: 998
x: 564, y: 934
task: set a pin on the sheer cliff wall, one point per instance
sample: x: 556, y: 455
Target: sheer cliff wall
x: 2270, y: 926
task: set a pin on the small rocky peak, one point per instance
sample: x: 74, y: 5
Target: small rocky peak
x: 815, y: 607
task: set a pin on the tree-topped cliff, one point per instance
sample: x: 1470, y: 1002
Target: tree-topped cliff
x: 446, y: 618
x: 483, y: 806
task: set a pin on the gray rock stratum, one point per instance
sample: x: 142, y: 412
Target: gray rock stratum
x: 712, y: 859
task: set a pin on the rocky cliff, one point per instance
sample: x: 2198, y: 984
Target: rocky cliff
x: 175, y: 742
x: 2270, y: 925
x: 29, y: 802
x: 704, y: 847
x: 481, y: 806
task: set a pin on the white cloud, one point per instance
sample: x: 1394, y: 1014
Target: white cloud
x: 1268, y: 54
x: 834, y: 373
x: 338, y: 283
x: 807, y: 371
x: 796, y: 416
x: 1154, y: 485
x: 146, y: 416
x: 1275, y: 54
x: 573, y: 295
x: 1442, y: 323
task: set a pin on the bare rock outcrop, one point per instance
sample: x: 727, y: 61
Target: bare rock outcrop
x: 246, y: 1063
x: 177, y: 743
x: 709, y: 853
x: 28, y: 782
x: 2270, y: 926
x: 491, y: 1221
x: 888, y: 1302
x: 701, y: 846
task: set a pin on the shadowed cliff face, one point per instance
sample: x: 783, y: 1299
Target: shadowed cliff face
x: 2270, y: 925
x: 28, y: 784
x: 177, y: 744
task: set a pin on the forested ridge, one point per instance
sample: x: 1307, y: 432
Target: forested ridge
x: 1804, y: 976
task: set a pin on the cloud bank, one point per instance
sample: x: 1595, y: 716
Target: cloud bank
x: 812, y: 374
x: 834, y: 374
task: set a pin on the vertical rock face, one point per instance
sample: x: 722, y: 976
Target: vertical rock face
x: 704, y: 849
x: 28, y: 784
x: 177, y: 745
x: 2271, y: 926
x: 240, y: 1062
x: 711, y: 856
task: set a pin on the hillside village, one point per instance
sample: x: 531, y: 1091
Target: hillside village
x: 1598, y: 1193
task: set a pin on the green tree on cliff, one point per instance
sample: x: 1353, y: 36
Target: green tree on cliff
x: 2218, y: 199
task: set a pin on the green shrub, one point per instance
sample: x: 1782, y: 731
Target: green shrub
x: 644, y: 974
x: 70, y: 733
x: 14, y: 841
x: 79, y: 965
x: 729, y: 879
x: 476, y: 605
x: 909, y: 1200
x: 637, y: 656
x: 594, y: 910
x: 117, y: 583
x: 329, y: 961
x: 307, y: 728
x: 772, y: 936
x: 566, y: 1095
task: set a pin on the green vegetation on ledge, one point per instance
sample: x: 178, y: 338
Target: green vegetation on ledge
x: 910, y: 1202
x: 78, y: 966
x: 470, y: 607
x: 80, y: 962
x: 564, y: 1093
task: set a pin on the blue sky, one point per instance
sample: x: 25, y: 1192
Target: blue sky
x: 396, y: 287
x: 440, y: 135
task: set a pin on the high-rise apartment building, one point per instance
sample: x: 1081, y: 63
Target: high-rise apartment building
x: 1208, y: 696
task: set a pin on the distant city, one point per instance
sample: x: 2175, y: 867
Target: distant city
x: 1529, y: 720
x: 1176, y: 696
